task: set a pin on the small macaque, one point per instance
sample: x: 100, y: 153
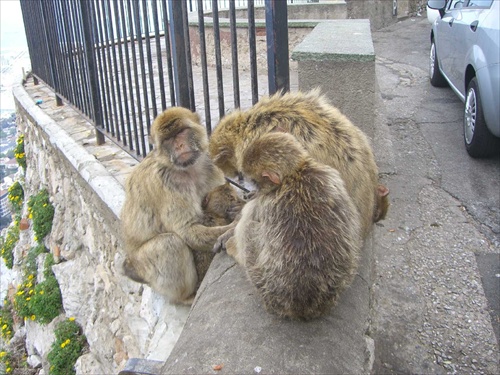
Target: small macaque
x: 326, y: 134
x: 221, y: 205
x: 298, y: 239
x: 162, y: 216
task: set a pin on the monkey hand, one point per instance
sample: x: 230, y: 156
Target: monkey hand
x: 220, y: 244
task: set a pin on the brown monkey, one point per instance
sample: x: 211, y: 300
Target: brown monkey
x: 221, y: 205
x: 326, y: 134
x: 299, y: 238
x: 162, y: 214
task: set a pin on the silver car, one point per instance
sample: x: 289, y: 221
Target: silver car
x: 465, y: 54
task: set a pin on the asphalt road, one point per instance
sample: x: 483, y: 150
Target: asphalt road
x: 437, y: 282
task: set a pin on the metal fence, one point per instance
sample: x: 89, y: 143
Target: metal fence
x: 121, y: 62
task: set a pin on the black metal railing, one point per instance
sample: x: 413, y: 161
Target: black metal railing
x: 121, y: 62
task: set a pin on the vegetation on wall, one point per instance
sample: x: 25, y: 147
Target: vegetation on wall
x: 42, y: 301
x: 8, y: 244
x: 19, y: 153
x: 66, y: 348
x: 16, y: 198
x: 6, y: 320
x: 41, y: 212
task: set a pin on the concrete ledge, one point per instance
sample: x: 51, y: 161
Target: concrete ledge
x: 228, y: 326
x: 109, y: 190
x: 338, y: 56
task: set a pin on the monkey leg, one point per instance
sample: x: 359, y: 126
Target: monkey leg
x: 166, y: 264
x: 233, y: 250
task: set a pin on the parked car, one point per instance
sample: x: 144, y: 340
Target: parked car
x: 465, y: 54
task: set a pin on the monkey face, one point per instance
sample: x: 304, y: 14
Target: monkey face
x: 183, y: 149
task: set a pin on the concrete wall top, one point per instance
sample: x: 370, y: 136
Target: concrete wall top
x: 337, y: 40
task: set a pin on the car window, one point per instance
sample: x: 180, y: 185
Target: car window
x: 479, y: 3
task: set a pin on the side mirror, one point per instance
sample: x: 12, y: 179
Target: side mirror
x: 437, y: 4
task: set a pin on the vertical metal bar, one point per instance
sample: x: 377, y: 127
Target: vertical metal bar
x: 166, y: 27
x: 103, y: 67
x: 142, y: 64
x: 179, y: 53
x: 189, y: 65
x: 115, y: 77
x: 91, y: 63
x: 150, y: 62
x: 253, y: 52
x: 204, y: 70
x: 136, y: 80
x: 277, y: 45
x: 51, y: 62
x: 129, y: 80
x: 218, y: 59
x: 234, y: 53
x: 158, y: 55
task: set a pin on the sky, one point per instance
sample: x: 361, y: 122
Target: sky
x: 12, y: 42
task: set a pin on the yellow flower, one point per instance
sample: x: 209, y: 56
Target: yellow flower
x: 29, y: 298
x: 3, y: 354
x: 33, y: 317
x: 41, y: 291
x: 72, y: 319
x: 31, y: 277
x: 21, y: 292
x: 8, y: 369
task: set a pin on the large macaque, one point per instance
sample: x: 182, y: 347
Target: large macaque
x: 298, y: 238
x: 162, y: 217
x: 326, y: 134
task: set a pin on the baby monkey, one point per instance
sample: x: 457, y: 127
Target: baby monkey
x: 299, y: 237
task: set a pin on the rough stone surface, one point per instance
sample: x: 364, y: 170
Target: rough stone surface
x: 120, y: 318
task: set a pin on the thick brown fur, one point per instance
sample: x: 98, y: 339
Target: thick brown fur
x: 162, y: 214
x: 326, y: 134
x: 299, y: 238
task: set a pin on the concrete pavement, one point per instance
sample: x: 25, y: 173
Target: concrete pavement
x: 430, y: 313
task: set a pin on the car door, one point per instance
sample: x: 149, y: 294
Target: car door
x: 463, y: 28
x: 444, y: 36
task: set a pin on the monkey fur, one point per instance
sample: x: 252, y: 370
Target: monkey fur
x: 326, y: 134
x: 298, y: 238
x: 162, y: 216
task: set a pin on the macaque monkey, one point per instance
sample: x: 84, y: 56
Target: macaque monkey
x: 326, y: 134
x: 162, y: 216
x: 298, y: 238
x: 221, y: 205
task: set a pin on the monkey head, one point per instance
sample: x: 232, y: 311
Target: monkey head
x: 271, y: 158
x: 225, y: 142
x: 177, y: 132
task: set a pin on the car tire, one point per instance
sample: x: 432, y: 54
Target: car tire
x: 436, y: 78
x: 479, y: 141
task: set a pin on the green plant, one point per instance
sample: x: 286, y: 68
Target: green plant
x: 41, y: 302
x: 19, y: 153
x: 41, y: 211
x: 7, y: 360
x: 66, y: 348
x: 6, y: 320
x: 16, y: 197
x: 8, y: 244
x: 30, y: 265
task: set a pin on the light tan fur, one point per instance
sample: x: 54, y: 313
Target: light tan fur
x: 299, y: 238
x: 326, y: 134
x: 162, y: 214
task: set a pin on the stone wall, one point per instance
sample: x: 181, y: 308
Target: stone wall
x: 120, y: 318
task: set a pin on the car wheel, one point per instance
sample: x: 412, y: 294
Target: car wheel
x: 436, y: 78
x: 479, y: 141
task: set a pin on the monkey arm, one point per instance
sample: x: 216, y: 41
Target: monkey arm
x: 220, y: 244
x: 200, y: 237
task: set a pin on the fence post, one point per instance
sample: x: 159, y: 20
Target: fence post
x: 277, y: 45
x: 90, y: 46
x: 178, y: 53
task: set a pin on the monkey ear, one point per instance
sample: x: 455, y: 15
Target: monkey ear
x: 272, y: 176
x: 382, y: 190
